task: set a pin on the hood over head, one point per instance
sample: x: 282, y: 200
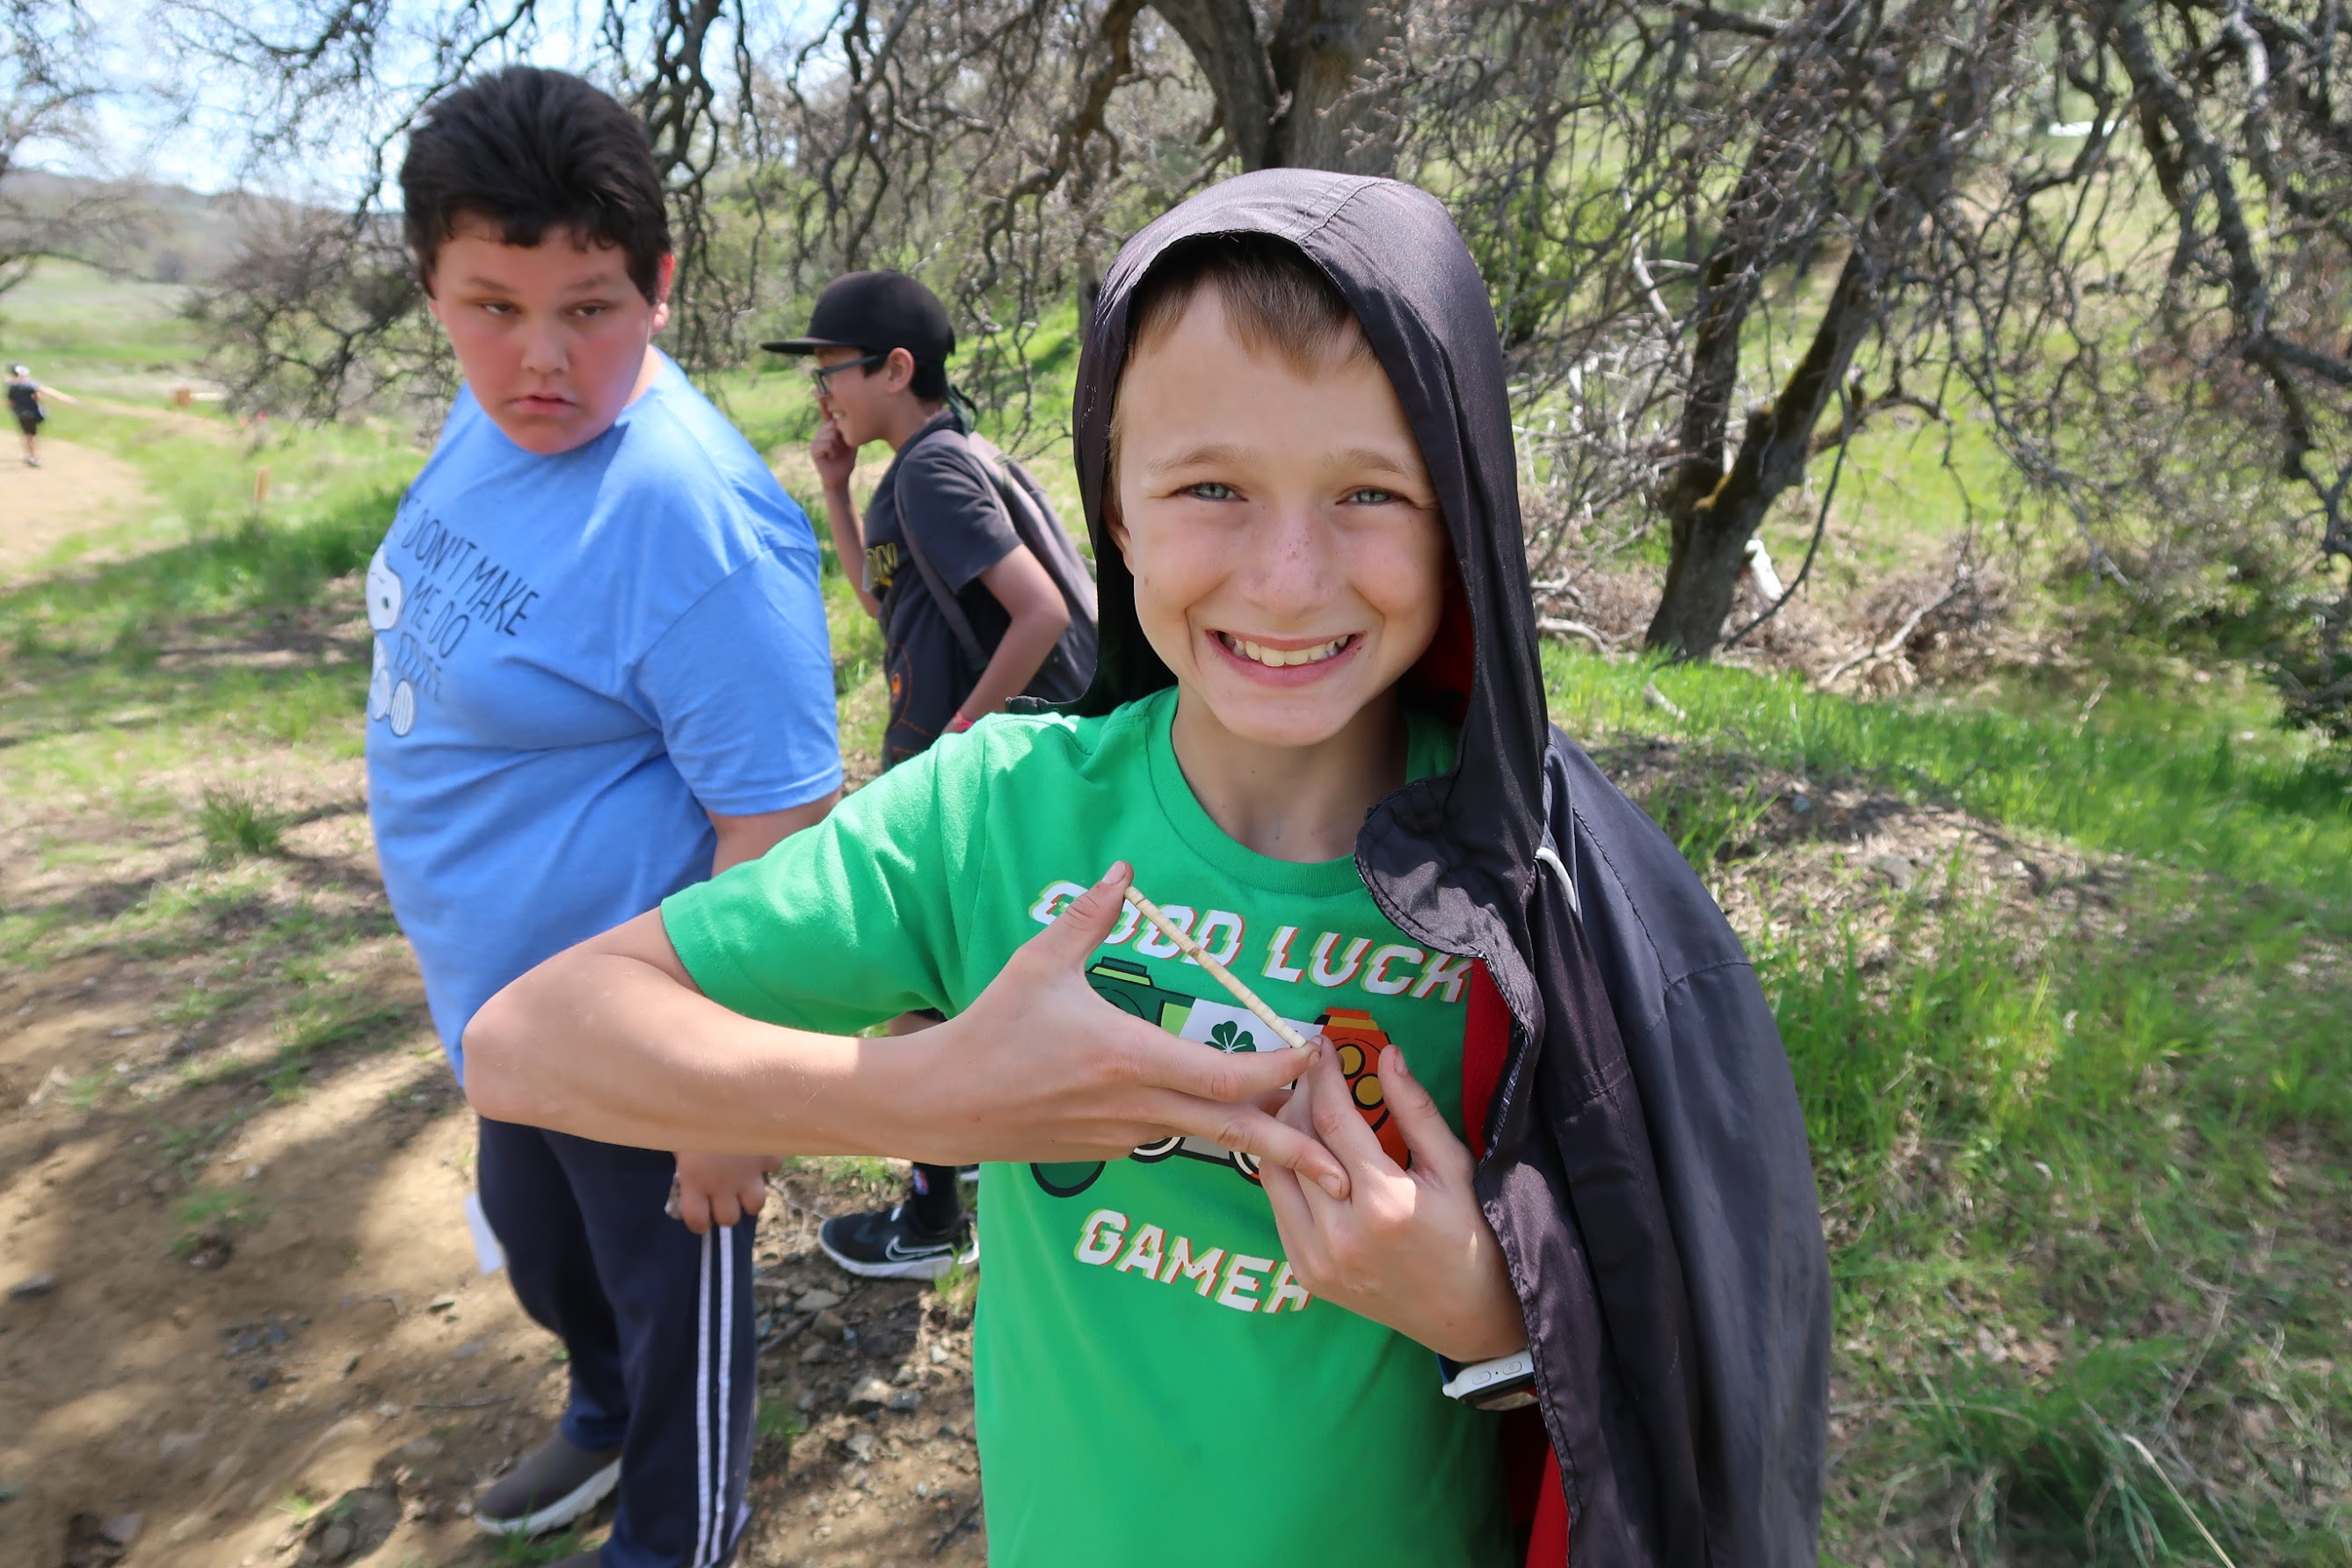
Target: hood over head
x: 1449, y: 858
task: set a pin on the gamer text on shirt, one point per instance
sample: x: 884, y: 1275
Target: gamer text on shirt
x: 1234, y: 1280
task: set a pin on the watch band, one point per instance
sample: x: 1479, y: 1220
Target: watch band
x: 1504, y: 1383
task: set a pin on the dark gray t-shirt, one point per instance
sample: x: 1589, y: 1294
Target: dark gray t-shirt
x: 963, y: 531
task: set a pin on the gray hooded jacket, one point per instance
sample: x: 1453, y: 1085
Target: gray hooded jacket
x: 1643, y: 1156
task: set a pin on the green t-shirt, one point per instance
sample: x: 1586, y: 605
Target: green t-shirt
x: 1152, y: 1385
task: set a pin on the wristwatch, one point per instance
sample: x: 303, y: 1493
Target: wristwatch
x: 1506, y: 1383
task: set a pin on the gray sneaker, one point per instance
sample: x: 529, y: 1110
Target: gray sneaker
x: 554, y: 1484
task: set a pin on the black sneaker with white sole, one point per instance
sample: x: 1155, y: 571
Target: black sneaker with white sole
x: 555, y: 1484
x: 889, y: 1244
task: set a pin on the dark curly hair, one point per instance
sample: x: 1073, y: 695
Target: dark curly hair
x: 530, y: 150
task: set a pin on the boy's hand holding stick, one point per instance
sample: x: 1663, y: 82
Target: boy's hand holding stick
x: 611, y: 1041
x: 1438, y: 1275
x: 1217, y: 972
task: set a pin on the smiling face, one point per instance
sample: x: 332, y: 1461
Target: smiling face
x: 553, y: 337
x: 863, y: 399
x: 1286, y: 548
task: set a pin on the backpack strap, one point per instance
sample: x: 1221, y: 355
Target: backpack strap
x: 1036, y: 525
x: 950, y: 608
x: 1069, y: 666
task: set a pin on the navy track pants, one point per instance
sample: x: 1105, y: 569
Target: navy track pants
x: 657, y: 1320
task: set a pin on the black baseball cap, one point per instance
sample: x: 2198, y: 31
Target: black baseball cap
x: 876, y: 313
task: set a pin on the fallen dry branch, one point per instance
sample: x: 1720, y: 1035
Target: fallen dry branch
x: 1871, y: 656
x: 1556, y: 626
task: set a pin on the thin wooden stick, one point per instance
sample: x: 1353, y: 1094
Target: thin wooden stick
x: 1224, y: 976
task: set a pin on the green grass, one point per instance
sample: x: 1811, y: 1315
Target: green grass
x: 223, y: 626
x: 2175, y: 784
x: 301, y: 1503
x: 85, y: 331
x: 234, y: 822
x: 2084, y: 1177
x: 525, y: 1551
x: 209, y: 1213
x: 778, y: 1422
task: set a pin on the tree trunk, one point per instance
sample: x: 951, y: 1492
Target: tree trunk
x: 1222, y: 36
x: 1297, y: 99
x: 1713, y: 522
x: 1319, y: 53
x: 1702, y: 576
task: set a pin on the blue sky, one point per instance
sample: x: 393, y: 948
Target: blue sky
x: 160, y: 127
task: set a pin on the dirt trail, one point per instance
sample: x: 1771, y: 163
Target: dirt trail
x: 242, y: 1324
x: 75, y: 489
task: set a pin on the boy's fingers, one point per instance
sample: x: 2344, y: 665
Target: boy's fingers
x: 1432, y: 1142
x: 1294, y: 1218
x: 1247, y: 1130
x: 1298, y: 1108
x: 1160, y: 1060
x: 1337, y: 1123
x: 1320, y: 1204
x: 1213, y: 1094
x: 694, y: 1209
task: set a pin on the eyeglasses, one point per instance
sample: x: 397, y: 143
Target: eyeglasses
x: 862, y: 361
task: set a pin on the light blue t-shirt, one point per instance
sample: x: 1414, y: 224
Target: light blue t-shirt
x: 577, y: 657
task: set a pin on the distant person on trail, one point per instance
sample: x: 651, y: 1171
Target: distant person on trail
x: 1517, y: 1256
x: 25, y: 396
x: 602, y: 674
x: 972, y: 615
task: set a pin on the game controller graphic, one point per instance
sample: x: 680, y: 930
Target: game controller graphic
x: 1360, y: 1042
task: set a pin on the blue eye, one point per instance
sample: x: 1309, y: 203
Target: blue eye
x: 1372, y: 495
x: 1210, y: 489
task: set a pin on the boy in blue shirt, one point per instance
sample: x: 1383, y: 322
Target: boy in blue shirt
x: 602, y: 674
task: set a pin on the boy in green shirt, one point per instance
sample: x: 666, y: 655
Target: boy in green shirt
x: 1159, y: 1369
x: 1216, y: 1266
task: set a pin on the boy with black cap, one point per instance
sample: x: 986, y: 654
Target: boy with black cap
x: 971, y: 617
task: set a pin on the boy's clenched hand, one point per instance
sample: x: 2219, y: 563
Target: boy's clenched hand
x: 1041, y: 1067
x: 719, y: 1189
x: 833, y: 458
x: 1409, y: 1248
